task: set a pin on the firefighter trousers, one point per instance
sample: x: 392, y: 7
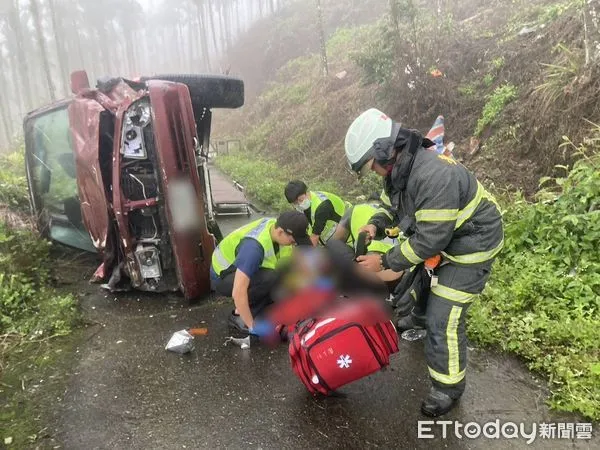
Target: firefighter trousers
x: 446, y: 345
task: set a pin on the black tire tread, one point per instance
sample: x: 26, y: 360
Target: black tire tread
x: 209, y: 91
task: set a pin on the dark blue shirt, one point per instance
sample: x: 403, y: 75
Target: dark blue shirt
x: 249, y: 257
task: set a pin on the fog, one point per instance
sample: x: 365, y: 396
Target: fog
x: 43, y: 41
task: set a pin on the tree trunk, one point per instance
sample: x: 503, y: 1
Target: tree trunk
x: 396, y: 44
x: 80, y: 54
x: 240, y: 16
x: 119, y: 49
x: 192, y: 43
x: 222, y: 30
x: 180, y: 47
x: 35, y: 12
x: 395, y: 16
x: 137, y: 49
x: 25, y: 76
x: 231, y: 22
x: 129, y: 53
x: 63, y: 67
x: 161, y: 43
x: 591, y: 26
x: 227, y: 22
x: 322, y: 42
x: 5, y: 112
x: 213, y: 31
x: 105, y: 67
x: 203, y: 29
x: 16, y: 79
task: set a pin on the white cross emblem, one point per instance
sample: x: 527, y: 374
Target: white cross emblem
x: 344, y: 361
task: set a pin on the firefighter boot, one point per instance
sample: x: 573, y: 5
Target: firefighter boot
x: 437, y: 403
x: 410, y: 322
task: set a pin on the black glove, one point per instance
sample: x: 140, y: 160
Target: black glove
x: 361, y: 244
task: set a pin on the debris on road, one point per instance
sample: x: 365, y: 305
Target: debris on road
x: 181, y: 342
x: 198, y: 331
x: 243, y: 343
x: 414, y: 334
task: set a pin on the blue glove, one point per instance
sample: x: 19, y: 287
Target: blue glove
x: 262, y: 328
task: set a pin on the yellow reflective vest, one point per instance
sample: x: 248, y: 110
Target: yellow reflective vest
x: 260, y: 230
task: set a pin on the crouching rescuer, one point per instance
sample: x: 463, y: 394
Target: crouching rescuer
x: 443, y: 209
x: 245, y: 266
x: 322, y: 209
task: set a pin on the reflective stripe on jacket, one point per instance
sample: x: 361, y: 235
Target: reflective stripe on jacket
x: 444, y: 209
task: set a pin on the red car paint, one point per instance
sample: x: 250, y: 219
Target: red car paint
x: 104, y: 172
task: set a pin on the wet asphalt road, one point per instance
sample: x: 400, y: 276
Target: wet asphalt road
x: 126, y: 391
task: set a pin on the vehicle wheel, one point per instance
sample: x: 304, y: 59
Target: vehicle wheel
x: 209, y: 91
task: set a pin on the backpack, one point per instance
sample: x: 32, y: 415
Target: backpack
x: 350, y: 344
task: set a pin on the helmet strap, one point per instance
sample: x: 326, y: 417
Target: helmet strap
x: 384, y: 151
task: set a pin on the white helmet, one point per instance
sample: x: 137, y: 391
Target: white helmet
x: 366, y: 129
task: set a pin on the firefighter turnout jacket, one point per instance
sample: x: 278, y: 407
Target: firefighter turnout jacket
x: 441, y: 208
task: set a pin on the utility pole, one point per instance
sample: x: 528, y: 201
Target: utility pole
x: 323, y: 43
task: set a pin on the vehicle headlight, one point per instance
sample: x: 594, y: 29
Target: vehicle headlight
x: 139, y: 114
x: 136, y: 118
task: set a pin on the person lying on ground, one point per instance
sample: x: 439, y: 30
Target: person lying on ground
x: 314, y: 286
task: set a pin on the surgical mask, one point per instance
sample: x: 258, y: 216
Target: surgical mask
x: 304, y: 205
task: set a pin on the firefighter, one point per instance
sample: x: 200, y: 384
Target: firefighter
x: 322, y: 209
x: 244, y: 266
x: 442, y: 209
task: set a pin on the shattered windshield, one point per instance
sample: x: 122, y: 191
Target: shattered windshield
x: 53, y: 163
x: 53, y: 176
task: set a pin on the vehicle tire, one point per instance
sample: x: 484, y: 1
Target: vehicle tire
x: 209, y: 91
